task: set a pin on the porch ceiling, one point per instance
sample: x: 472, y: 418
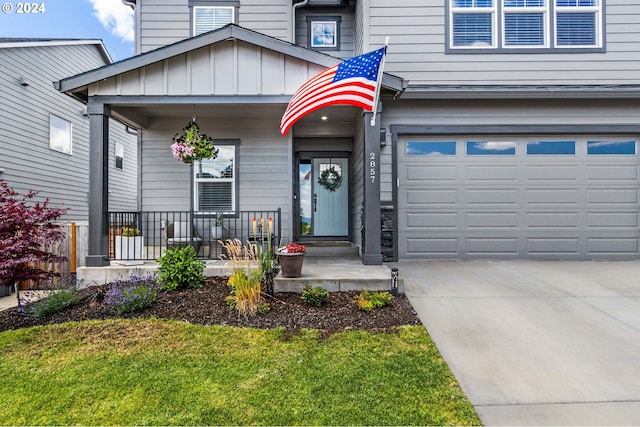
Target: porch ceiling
x: 142, y: 114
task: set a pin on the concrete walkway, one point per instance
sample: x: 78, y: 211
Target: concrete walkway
x: 536, y: 343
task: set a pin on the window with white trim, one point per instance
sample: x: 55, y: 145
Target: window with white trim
x: 324, y: 32
x: 215, y: 181
x: 209, y: 18
x: 60, y: 134
x: 507, y: 25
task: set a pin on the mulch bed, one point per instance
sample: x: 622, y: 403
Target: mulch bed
x: 207, y: 306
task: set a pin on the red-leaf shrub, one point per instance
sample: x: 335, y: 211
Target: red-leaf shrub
x: 26, y: 231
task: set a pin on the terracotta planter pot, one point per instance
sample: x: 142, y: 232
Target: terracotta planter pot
x: 291, y: 264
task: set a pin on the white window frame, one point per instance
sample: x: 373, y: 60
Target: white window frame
x: 233, y: 180
x: 596, y: 10
x: 66, y: 147
x: 196, y: 9
x: 493, y: 10
x: 511, y: 10
x: 550, y: 10
x: 335, y: 34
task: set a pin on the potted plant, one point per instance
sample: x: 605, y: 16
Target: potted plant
x: 129, y: 246
x: 193, y: 145
x: 291, y: 258
x: 217, y: 230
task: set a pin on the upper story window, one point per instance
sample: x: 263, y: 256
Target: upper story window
x: 507, y: 25
x: 209, y: 18
x: 60, y: 134
x: 324, y: 32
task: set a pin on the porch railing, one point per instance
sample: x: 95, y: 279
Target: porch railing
x: 160, y: 230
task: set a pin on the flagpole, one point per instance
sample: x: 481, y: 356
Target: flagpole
x: 379, y: 82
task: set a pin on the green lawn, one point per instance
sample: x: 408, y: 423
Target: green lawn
x: 151, y: 372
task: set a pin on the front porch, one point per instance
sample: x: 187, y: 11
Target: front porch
x: 332, y: 267
x: 161, y: 230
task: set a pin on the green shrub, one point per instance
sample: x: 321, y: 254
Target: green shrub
x: 368, y: 300
x: 315, y: 296
x: 180, y: 268
x: 63, y: 294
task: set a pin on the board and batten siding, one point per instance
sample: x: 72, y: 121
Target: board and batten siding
x: 263, y: 164
x: 164, y: 22
x: 417, y: 50
x: 25, y: 156
x: 226, y: 68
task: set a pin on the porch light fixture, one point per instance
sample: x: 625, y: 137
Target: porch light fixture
x: 383, y: 137
x: 324, y: 118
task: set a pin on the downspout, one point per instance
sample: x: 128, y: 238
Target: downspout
x: 303, y: 3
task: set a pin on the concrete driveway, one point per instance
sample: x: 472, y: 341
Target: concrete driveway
x: 536, y: 342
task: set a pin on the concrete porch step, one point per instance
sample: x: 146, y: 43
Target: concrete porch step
x: 331, y: 249
x: 338, y: 274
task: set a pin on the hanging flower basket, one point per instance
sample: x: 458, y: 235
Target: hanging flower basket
x: 193, y: 145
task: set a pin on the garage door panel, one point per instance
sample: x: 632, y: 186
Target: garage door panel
x: 433, y: 173
x: 605, y: 173
x: 611, y: 246
x: 566, y: 220
x: 552, y: 246
x: 612, y: 220
x: 506, y: 247
x: 608, y: 196
x: 498, y: 197
x: 559, y: 173
x: 432, y: 246
x: 549, y: 196
x: 432, y: 220
x: 492, y: 220
x: 434, y: 197
x: 494, y: 173
x: 577, y: 206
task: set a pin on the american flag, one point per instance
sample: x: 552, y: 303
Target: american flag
x: 352, y: 82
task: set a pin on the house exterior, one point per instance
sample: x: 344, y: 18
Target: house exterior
x: 44, y: 135
x: 505, y: 129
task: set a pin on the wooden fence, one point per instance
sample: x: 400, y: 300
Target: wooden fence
x: 74, y: 247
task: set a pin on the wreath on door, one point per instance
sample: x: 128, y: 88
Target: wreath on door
x: 330, y: 179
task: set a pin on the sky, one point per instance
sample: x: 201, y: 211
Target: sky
x: 108, y: 20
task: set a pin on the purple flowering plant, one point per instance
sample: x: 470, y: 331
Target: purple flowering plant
x: 133, y: 293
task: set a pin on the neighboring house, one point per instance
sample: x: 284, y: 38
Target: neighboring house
x: 44, y: 135
x: 507, y: 129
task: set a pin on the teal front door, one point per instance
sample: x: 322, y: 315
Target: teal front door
x: 330, y: 197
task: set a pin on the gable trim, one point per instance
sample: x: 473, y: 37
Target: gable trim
x: 230, y: 31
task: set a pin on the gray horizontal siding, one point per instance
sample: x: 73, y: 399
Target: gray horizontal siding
x: 263, y: 161
x: 164, y: 22
x: 417, y: 50
x: 25, y: 156
x: 347, y: 29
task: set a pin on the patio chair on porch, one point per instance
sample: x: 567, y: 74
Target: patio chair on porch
x: 178, y: 235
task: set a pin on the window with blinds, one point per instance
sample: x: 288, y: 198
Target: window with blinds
x: 525, y: 24
x: 208, y: 18
x: 215, y: 182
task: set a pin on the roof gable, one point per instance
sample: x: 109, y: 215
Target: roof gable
x: 227, y: 58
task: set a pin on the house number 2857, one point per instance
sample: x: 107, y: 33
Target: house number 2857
x: 372, y: 166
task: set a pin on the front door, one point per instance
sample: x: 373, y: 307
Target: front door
x: 324, y: 197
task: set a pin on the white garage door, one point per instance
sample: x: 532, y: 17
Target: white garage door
x: 540, y: 197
